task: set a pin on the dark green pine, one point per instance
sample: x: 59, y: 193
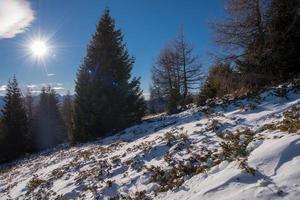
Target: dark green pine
x: 104, y: 88
x: 14, y: 123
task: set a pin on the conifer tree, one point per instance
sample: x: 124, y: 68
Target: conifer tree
x: 283, y: 22
x: 28, y: 104
x: 14, y: 123
x: 82, y: 105
x: 106, y: 99
x: 48, y: 125
x: 67, y: 115
x: 3, y: 143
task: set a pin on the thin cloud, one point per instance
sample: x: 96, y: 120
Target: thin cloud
x: 15, y: 17
x: 58, y: 88
x: 3, y: 88
x: 50, y: 74
x: 31, y: 86
x: 35, y: 92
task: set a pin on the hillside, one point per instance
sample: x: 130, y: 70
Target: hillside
x: 244, y: 149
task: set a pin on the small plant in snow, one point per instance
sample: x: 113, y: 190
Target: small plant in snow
x: 34, y: 183
x: 252, y: 106
x: 235, y: 144
x: 58, y: 173
x: 245, y: 167
x: 109, y: 183
x: 290, y: 123
x: 184, y: 137
x: 214, y: 125
x: 116, y: 160
x: 235, y: 147
x: 85, y: 154
x: 137, y: 163
x: 248, y: 107
x: 140, y: 195
x: 169, y: 138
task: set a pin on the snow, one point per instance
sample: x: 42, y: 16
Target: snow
x: 185, y: 150
x: 277, y: 164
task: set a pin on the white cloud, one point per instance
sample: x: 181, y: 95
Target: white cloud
x: 15, y: 17
x: 3, y: 88
x: 50, y: 74
x: 35, y: 92
x: 58, y: 88
x: 31, y: 86
x: 59, y: 84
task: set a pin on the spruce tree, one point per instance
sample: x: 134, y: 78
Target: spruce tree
x: 67, y: 115
x: 106, y: 98
x: 48, y: 125
x: 3, y: 143
x: 29, y: 113
x: 14, y: 123
x: 283, y: 21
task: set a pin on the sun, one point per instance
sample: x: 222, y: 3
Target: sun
x: 39, y: 48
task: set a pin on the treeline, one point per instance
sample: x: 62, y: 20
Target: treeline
x: 107, y: 99
x: 28, y: 126
x: 259, y: 44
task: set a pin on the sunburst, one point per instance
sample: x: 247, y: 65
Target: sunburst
x: 39, y: 48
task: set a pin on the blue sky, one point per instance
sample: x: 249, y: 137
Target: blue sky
x: 147, y: 26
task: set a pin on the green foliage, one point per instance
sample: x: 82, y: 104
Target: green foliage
x: 14, y: 124
x: 283, y: 36
x: 48, y: 129
x: 67, y: 116
x: 106, y: 98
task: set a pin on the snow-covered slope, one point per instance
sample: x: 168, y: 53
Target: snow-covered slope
x: 247, y: 149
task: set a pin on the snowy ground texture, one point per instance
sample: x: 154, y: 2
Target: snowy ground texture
x: 246, y: 149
